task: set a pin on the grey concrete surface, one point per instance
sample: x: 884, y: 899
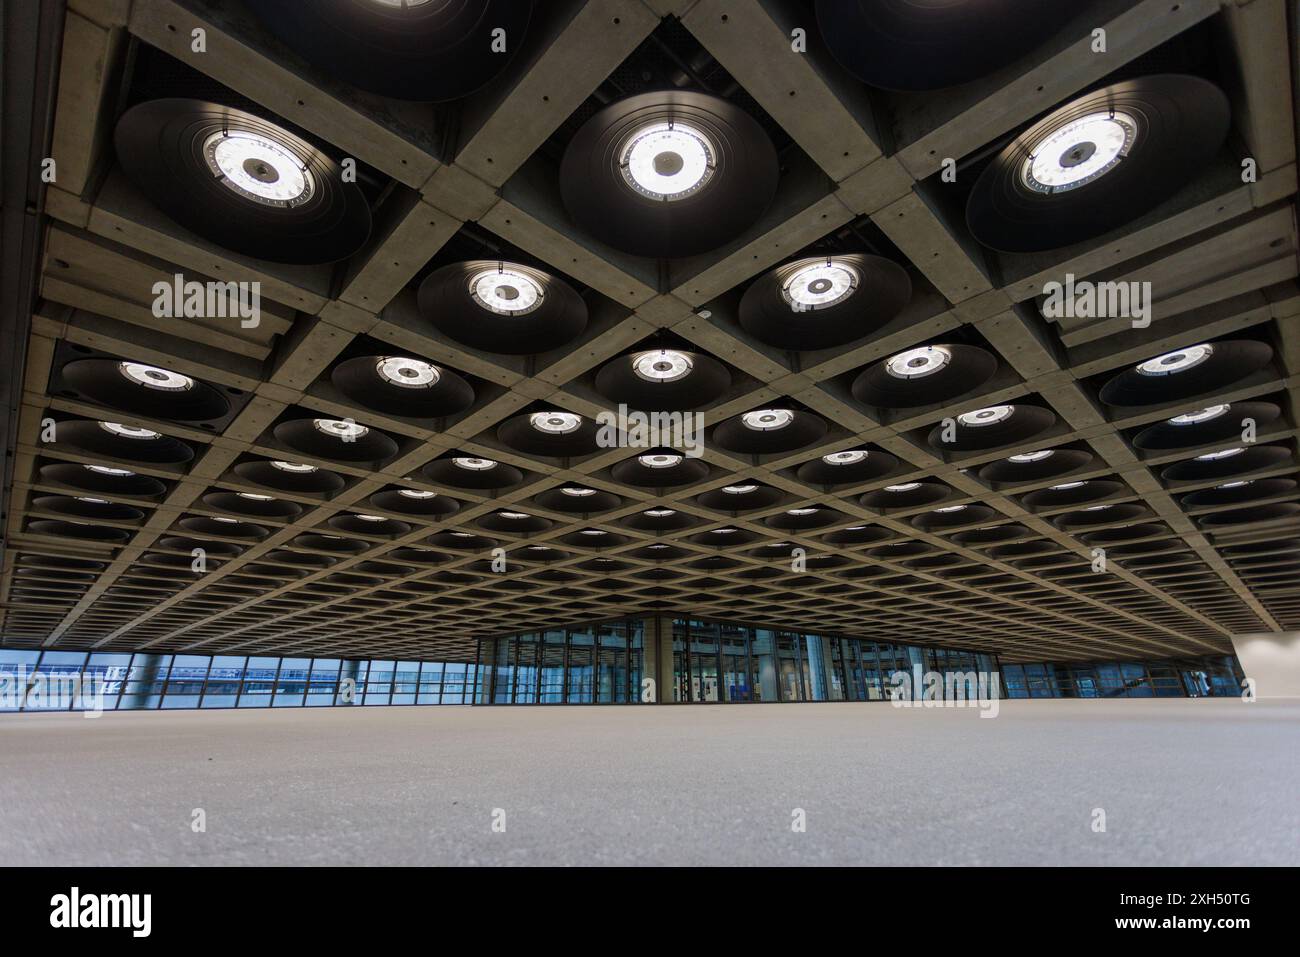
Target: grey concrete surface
x: 1180, y: 781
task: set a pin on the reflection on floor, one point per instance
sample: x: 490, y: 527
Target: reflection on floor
x: 1208, y: 781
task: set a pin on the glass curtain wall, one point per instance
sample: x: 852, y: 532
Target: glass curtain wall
x: 1209, y: 676
x: 95, y: 681
x: 598, y: 664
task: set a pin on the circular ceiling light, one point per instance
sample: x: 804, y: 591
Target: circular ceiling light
x: 1025, y: 457
x: 1180, y: 360
x: 951, y: 508
x: 258, y: 168
x: 802, y: 511
x: 408, y: 373
x: 256, y: 496
x: 919, y: 362
x: 129, y: 431
x: 104, y: 501
x: 834, y: 301
x: 1221, y: 454
x: 555, y: 423
x: 1098, y: 162
x: 926, y: 375
x: 979, y: 418
x: 820, y: 285
x: 767, y: 420
x: 416, y: 493
x: 904, y: 487
x: 847, y: 457
x: 407, y: 49
x: 1200, y: 415
x: 931, y: 44
x: 660, y: 460
x: 473, y: 464
x: 370, y: 518
x: 109, y: 470
x: 1079, y: 152
x: 502, y: 307
x: 1067, y: 485
x: 668, y: 174
x: 242, y: 181
x: 340, y: 429
x: 577, y: 491
x: 153, y: 377
x: 659, y: 512
x: 739, y: 489
x: 1237, y: 484
x: 666, y: 365
x: 506, y: 291
x: 667, y: 161
x: 292, y: 466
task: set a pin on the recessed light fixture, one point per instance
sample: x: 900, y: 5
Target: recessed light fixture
x: 659, y: 512
x: 292, y: 466
x: 1200, y: 415
x: 258, y: 167
x: 820, y: 285
x: 802, y: 511
x: 153, y: 377
x: 109, y: 470
x: 416, y: 493
x: 951, y: 508
x: 577, y: 491
x: 555, y: 423
x: 1064, y: 486
x: 1079, y: 152
x: 1237, y: 484
x: 371, y: 518
x: 724, y: 531
x: 1221, y: 454
x: 918, y: 363
x: 129, y: 431
x: 987, y: 416
x: 668, y: 161
x: 1023, y: 457
x: 407, y: 372
x: 664, y: 365
x: 506, y: 291
x: 473, y: 464
x: 514, y: 516
x: 462, y: 535
x: 739, y: 489
x: 905, y: 487
x: 1096, y: 508
x: 92, y: 501
x: 1180, y: 360
x: 223, y: 519
x: 847, y: 457
x: 340, y: 429
x: 767, y: 420
x: 660, y: 460
x: 256, y: 496
x: 593, y: 531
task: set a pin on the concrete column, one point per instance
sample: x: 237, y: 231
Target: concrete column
x: 1272, y: 660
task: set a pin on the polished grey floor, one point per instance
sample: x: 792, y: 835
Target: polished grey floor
x: 1179, y: 782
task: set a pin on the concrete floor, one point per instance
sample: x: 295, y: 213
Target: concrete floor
x: 1180, y: 781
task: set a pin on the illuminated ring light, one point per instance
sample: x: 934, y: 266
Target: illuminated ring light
x: 1079, y: 173
x: 552, y: 433
x: 1199, y: 427
x: 231, y: 528
x: 683, y: 471
x: 419, y: 556
x: 80, y: 530
x: 801, y: 518
x: 424, y: 505
x: 1238, y: 494
x: 324, y: 439
x: 375, y: 525
x: 461, y: 541
x: 402, y: 385
x: 926, y: 375
x: 782, y: 308
x: 1252, y: 459
x: 330, y: 543
x: 83, y: 506
x: 135, y: 445
x: 142, y: 389
x: 858, y: 535
x: 906, y: 496
x: 87, y: 480
x: 472, y: 472
x: 753, y: 433
x: 668, y: 174
x: 757, y: 496
x: 1083, y: 493
x: 242, y: 182
x: 673, y: 521
x: 581, y: 539
x: 840, y: 470
x: 1255, y: 515
x: 515, y: 522
x: 426, y: 50
x: 663, y: 380
x: 260, y: 507
x: 909, y: 45
x: 1096, y: 515
x: 262, y: 472
x: 896, y: 551
x: 1019, y: 469
x: 502, y: 307
x: 1189, y: 372
x: 728, y: 536
x: 993, y: 535
x: 556, y: 500
x: 939, y: 520
x: 994, y: 427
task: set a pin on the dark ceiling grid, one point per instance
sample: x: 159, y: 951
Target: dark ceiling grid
x: 107, y: 243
